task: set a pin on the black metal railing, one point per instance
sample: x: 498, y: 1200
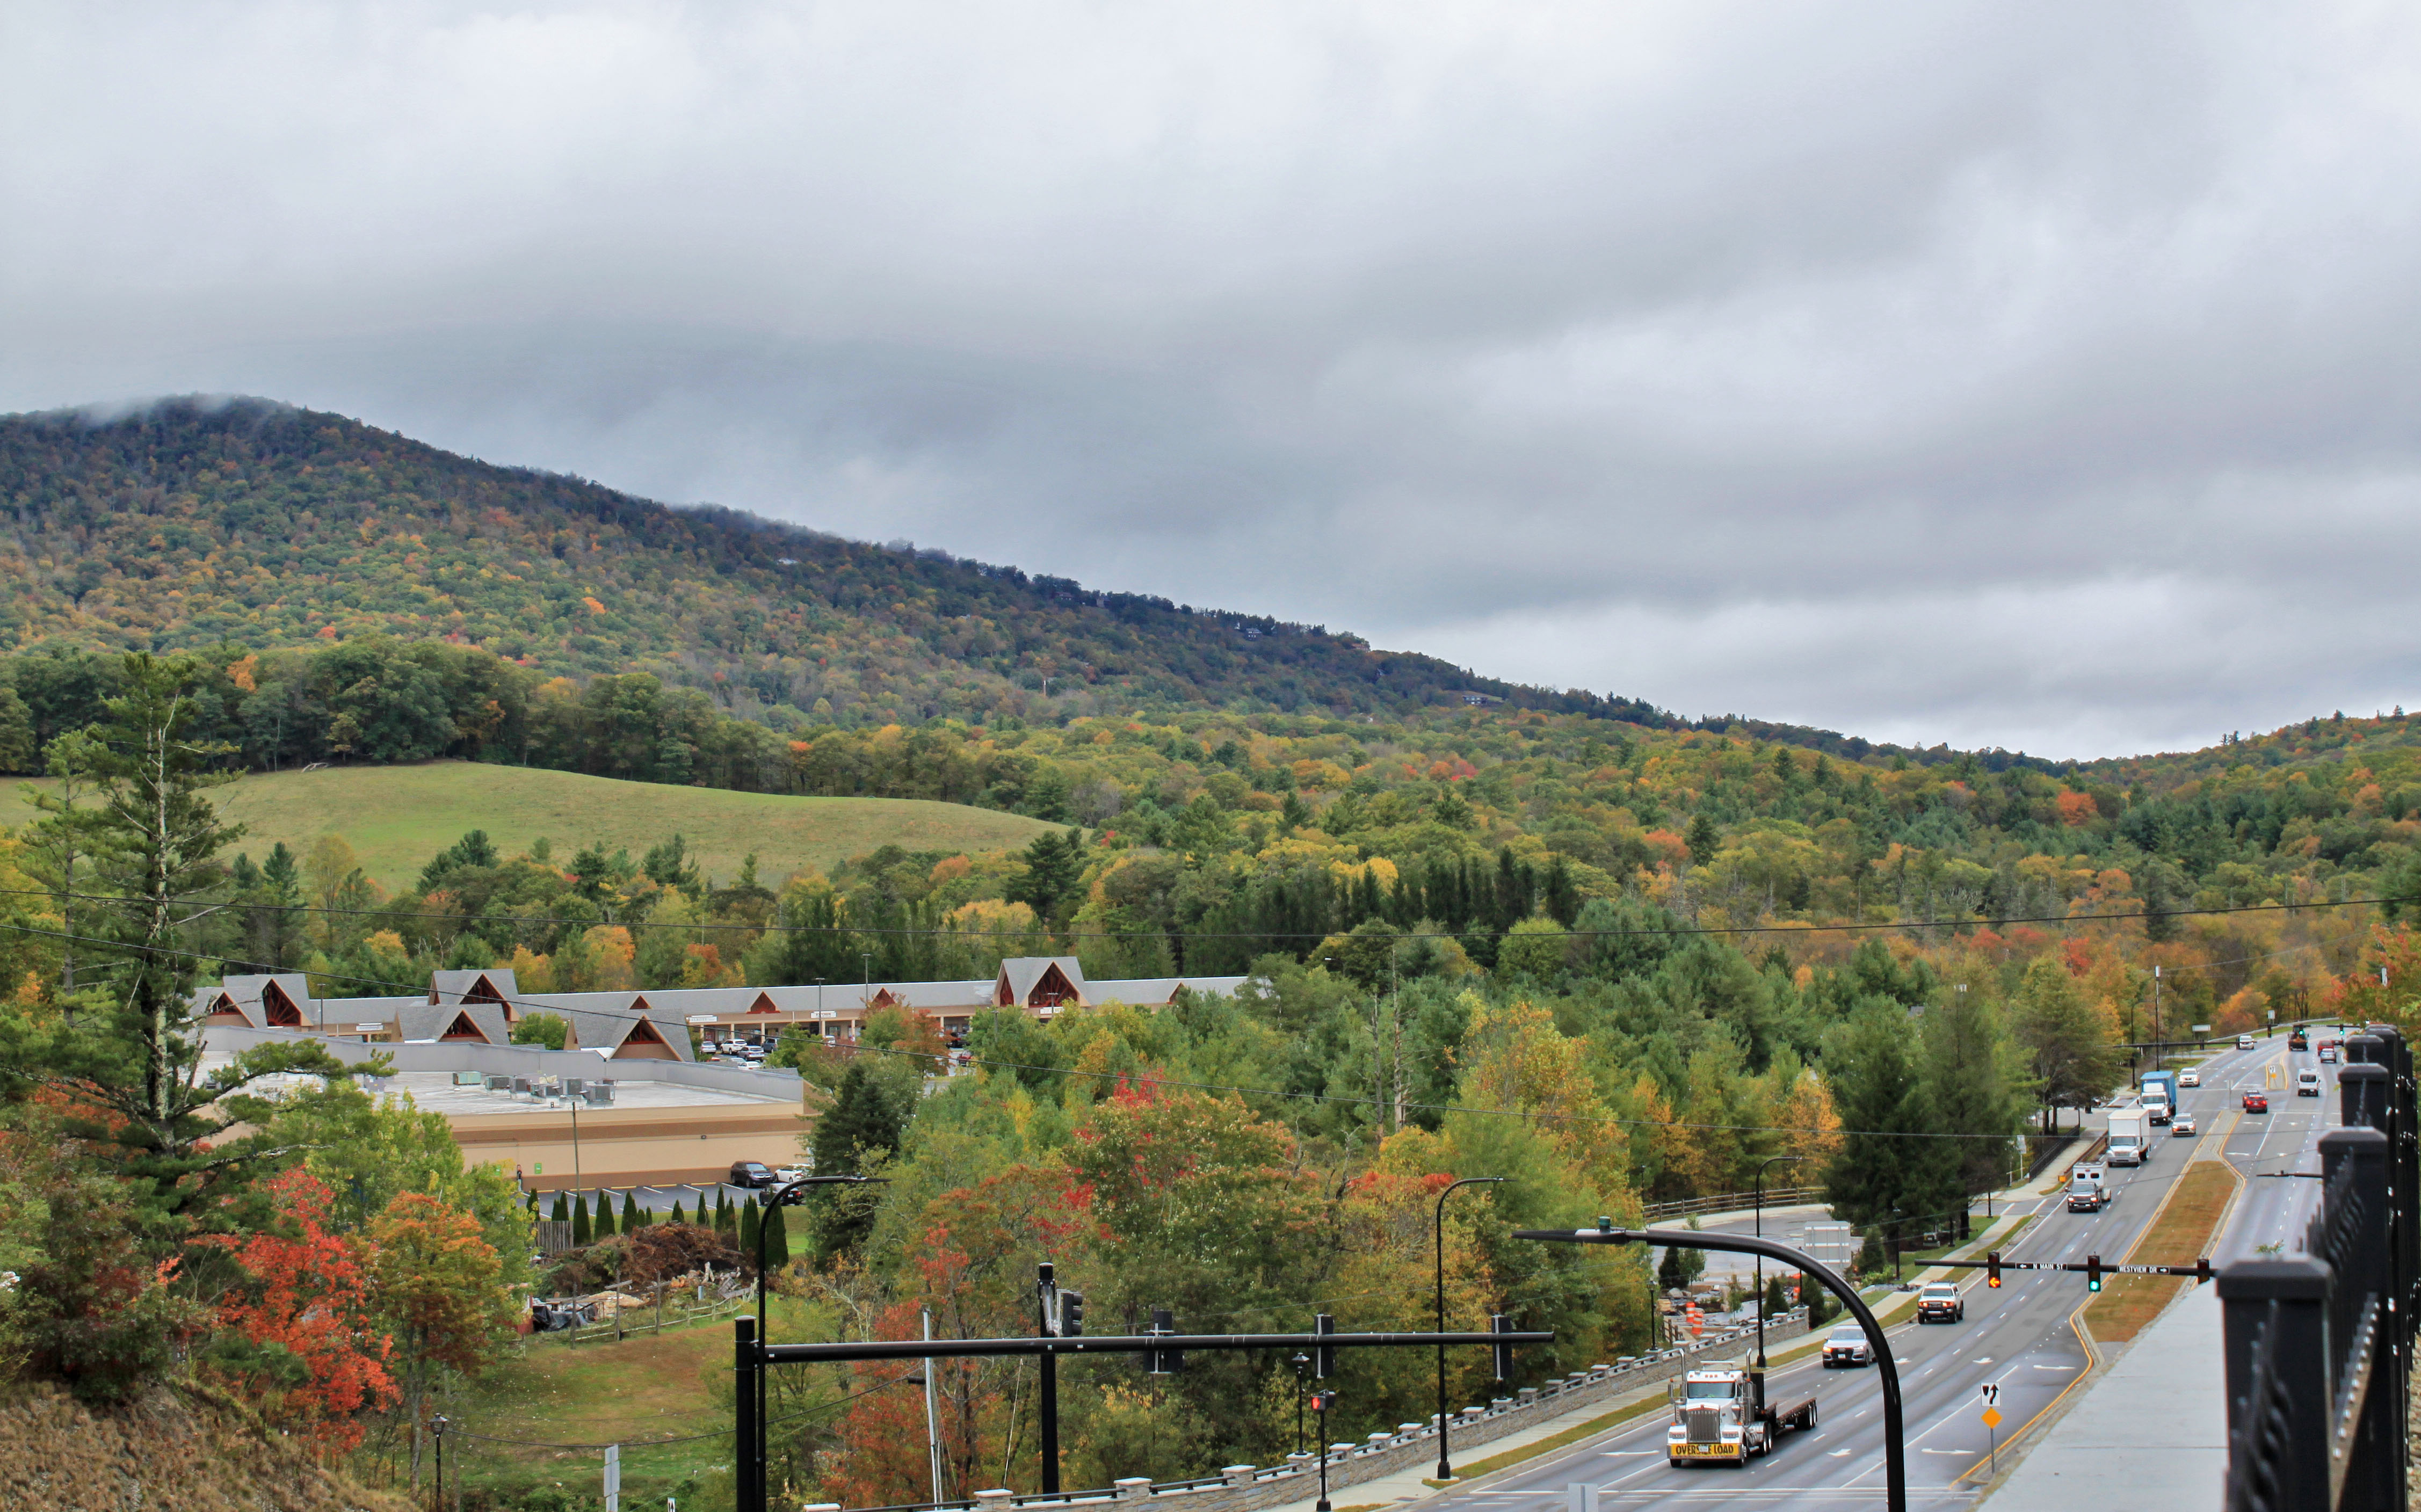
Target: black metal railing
x: 2319, y: 1343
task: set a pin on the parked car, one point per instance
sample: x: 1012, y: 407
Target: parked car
x: 2181, y: 1127
x: 784, y: 1175
x: 2188, y: 1079
x: 1940, y: 1301
x: 2257, y: 1102
x: 751, y: 1174
x: 1846, y: 1346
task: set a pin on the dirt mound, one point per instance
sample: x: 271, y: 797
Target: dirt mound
x: 179, y: 1450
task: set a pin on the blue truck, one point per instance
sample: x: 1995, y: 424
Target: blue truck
x: 2160, y: 1097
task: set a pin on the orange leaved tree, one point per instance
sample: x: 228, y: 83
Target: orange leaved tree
x: 301, y: 1339
x: 440, y: 1286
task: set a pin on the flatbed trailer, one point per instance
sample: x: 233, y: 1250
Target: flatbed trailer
x: 1721, y: 1416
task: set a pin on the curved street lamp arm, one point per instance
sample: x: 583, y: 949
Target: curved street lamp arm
x: 1895, y: 1452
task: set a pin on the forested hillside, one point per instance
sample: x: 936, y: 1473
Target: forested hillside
x: 188, y: 524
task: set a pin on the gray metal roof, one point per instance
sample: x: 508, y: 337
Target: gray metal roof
x: 1020, y: 974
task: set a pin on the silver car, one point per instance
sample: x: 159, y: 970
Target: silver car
x: 1846, y: 1346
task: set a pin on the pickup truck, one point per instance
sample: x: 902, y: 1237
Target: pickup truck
x: 1940, y: 1301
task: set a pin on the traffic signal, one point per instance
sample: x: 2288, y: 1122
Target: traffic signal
x: 1992, y: 1268
x: 1319, y: 1400
x: 2202, y: 1269
x: 1071, y: 1313
x: 1323, y: 1356
x: 1503, y: 1353
x: 2093, y: 1272
x: 1162, y: 1362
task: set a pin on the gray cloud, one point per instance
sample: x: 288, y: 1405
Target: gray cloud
x: 1935, y: 372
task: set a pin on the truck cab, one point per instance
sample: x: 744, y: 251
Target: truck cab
x: 2127, y: 1146
x: 2160, y: 1098
x: 1721, y: 1416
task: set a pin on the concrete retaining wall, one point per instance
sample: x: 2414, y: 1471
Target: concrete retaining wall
x: 1250, y: 1487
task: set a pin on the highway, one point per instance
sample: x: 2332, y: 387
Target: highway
x: 2021, y: 1337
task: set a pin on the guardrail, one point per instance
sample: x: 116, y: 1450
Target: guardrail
x: 1732, y: 1202
x: 2318, y: 1344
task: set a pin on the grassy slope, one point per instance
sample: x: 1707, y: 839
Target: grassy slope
x: 181, y: 1450
x: 396, y: 817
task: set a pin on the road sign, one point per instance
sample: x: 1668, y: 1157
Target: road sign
x: 1991, y: 1393
x: 1991, y: 1417
x: 613, y: 1477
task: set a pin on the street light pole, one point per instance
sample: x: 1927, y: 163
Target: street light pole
x: 1301, y: 1360
x: 1773, y: 1159
x: 1445, y: 1468
x: 752, y: 1474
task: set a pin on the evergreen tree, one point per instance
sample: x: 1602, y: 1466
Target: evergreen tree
x: 1875, y: 1093
x: 726, y: 1221
x: 562, y: 1213
x: 1053, y: 864
x: 1703, y: 839
x: 868, y: 1119
x: 777, y: 1239
x: 633, y: 1216
x: 602, y: 1227
x: 1969, y: 1081
x: 748, y: 1220
x: 2064, y: 1047
x: 580, y: 1233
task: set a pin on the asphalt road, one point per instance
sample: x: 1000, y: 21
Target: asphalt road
x: 2020, y: 1337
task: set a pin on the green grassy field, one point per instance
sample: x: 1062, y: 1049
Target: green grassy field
x: 396, y: 817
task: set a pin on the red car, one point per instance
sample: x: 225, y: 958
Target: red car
x: 2257, y: 1102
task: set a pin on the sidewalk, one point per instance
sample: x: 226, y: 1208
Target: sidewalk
x: 2159, y: 1437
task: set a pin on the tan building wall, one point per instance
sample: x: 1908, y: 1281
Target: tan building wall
x: 631, y: 1147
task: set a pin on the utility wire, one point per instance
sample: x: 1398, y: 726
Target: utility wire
x: 1133, y: 1079
x: 1680, y: 931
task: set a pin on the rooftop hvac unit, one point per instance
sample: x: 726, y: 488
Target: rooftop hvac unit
x: 521, y: 1086
x: 600, y: 1092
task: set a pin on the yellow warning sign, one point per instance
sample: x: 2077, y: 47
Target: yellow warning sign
x: 1991, y: 1417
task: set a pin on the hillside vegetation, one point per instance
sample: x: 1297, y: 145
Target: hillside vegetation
x: 189, y: 524
x: 396, y: 817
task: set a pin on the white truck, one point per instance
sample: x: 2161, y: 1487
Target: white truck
x: 1721, y: 1417
x: 2126, y: 1142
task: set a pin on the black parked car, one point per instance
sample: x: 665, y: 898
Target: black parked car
x: 751, y: 1174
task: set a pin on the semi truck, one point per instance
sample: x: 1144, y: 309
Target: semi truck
x: 1721, y: 1417
x: 2160, y: 1097
x: 2127, y: 1145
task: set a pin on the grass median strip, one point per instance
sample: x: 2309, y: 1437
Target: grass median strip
x: 2179, y: 1236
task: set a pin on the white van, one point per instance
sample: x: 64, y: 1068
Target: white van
x: 2307, y: 1083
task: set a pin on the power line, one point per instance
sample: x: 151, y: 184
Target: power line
x: 904, y: 930
x: 535, y: 1004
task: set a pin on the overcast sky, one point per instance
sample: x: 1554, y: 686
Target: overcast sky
x: 2041, y: 376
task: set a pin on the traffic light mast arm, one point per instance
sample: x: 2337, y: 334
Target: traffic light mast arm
x: 781, y: 1354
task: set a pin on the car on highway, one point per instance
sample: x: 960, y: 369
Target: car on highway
x: 1846, y: 1346
x: 2244, y: 1041
x: 2182, y: 1128
x: 2188, y: 1079
x: 2307, y: 1083
x: 2328, y: 1055
x: 2257, y: 1102
x: 1940, y: 1301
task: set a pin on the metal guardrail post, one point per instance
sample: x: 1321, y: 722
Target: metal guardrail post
x: 2367, y: 1423
x: 2277, y: 1385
